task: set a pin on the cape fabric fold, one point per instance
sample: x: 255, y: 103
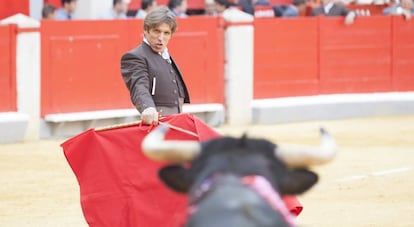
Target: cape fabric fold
x: 119, y: 186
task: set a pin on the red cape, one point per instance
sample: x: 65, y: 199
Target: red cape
x: 119, y: 186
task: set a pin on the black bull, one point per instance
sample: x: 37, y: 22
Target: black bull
x: 232, y: 181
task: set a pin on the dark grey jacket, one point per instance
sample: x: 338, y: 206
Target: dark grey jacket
x: 151, y: 80
x: 338, y: 9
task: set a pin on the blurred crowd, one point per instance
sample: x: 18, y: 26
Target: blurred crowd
x: 259, y: 8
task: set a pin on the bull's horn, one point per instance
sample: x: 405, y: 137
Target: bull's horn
x: 302, y: 156
x: 156, y: 148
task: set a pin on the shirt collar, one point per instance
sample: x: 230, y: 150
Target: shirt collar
x: 328, y: 7
x: 164, y: 54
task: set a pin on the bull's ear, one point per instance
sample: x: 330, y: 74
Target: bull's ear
x: 297, y: 181
x: 176, y: 177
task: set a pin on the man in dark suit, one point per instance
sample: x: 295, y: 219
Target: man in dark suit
x: 154, y: 80
x: 334, y: 8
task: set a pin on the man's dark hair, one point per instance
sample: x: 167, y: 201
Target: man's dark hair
x: 158, y: 16
x: 174, y: 3
x: 146, y: 3
x: 67, y: 1
x: 223, y: 3
x: 116, y: 2
x: 47, y: 10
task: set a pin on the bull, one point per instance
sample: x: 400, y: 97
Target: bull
x: 237, y: 182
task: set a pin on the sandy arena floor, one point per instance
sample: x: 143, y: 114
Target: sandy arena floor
x: 370, y: 183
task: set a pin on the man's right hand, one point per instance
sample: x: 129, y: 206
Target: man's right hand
x: 406, y: 14
x: 350, y: 18
x: 149, y: 116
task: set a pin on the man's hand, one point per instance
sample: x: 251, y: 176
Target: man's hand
x: 406, y: 14
x: 149, y: 116
x: 350, y: 18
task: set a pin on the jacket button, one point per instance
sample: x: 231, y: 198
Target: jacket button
x: 174, y: 81
x: 175, y: 91
x: 172, y: 71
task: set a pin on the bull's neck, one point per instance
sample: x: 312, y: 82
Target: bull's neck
x: 258, y: 184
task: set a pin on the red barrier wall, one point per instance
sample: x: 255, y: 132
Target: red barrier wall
x: 355, y: 58
x: 306, y: 56
x: 198, y: 47
x: 11, y: 7
x: 285, y: 55
x: 293, y: 57
x: 402, y: 54
x: 8, y: 68
x: 81, y: 62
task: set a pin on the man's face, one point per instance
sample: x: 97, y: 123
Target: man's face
x: 220, y: 8
x: 159, y: 36
x: 301, y: 8
x: 183, y: 7
x: 210, y: 8
x: 406, y: 4
x: 52, y: 16
x: 71, y: 7
x: 124, y: 5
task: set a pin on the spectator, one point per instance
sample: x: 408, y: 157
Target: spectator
x: 49, y: 12
x: 248, y: 5
x: 295, y: 9
x: 178, y: 7
x: 209, y: 8
x: 118, y: 11
x: 405, y: 8
x: 146, y: 6
x: 153, y: 78
x: 67, y: 10
x: 222, y: 5
x: 334, y: 8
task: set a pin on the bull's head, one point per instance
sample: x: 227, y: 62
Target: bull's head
x: 295, y: 157
x: 283, y: 166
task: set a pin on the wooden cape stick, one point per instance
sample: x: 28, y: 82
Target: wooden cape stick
x: 139, y: 122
